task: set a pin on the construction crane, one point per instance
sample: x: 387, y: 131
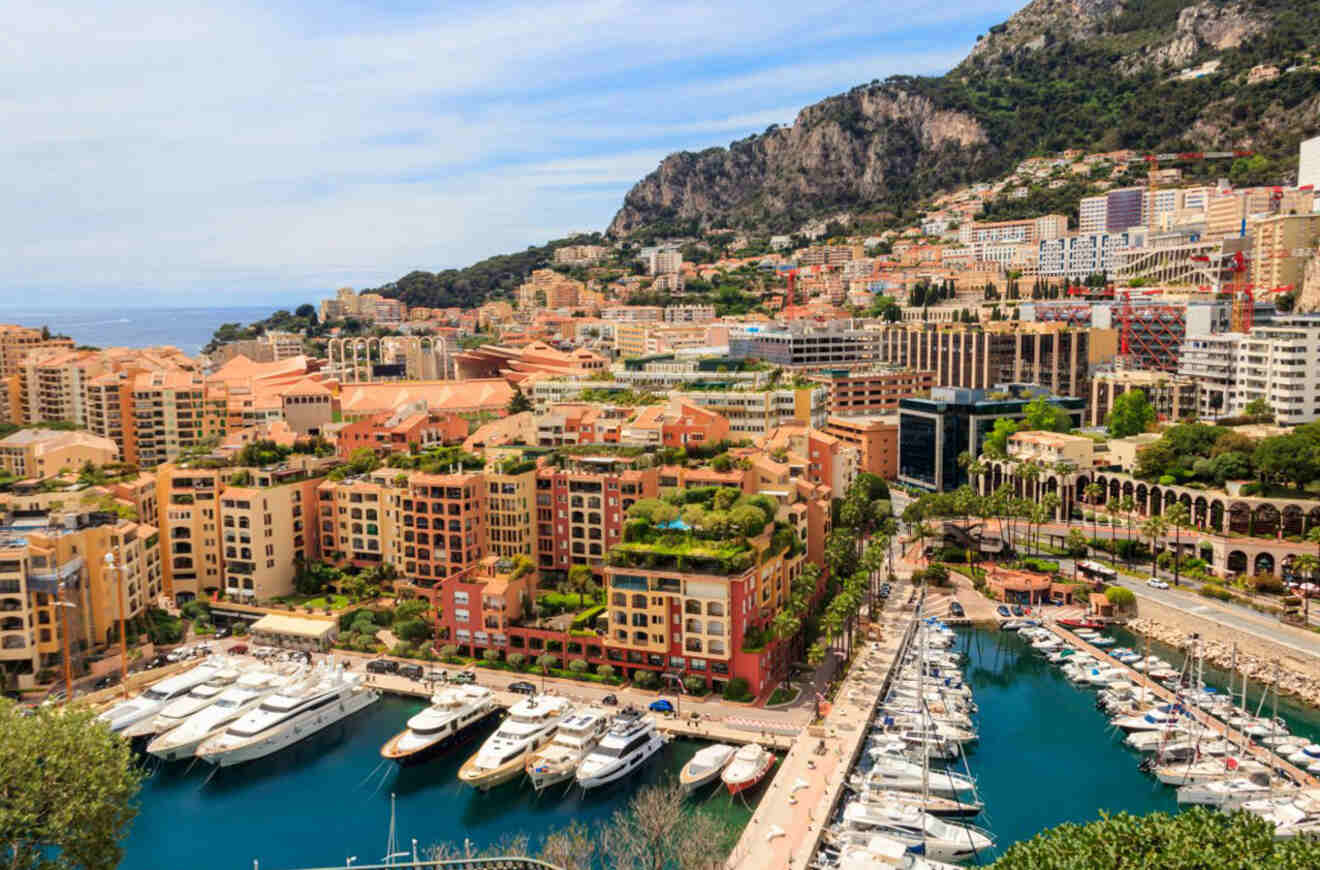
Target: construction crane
x: 1240, y: 315
x: 792, y: 283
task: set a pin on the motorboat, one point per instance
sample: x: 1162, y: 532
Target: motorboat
x: 941, y: 840
x: 632, y: 738
x: 885, y: 853
x: 1226, y: 794
x: 1088, y: 624
x: 146, y: 705
x: 895, y: 772
x: 1059, y: 656
x: 576, y: 736
x: 530, y: 724
x: 249, y: 691
x: 1184, y: 751
x: 750, y: 764
x: 933, y: 804
x: 1305, y: 755
x: 1209, y: 770
x: 1104, y: 676
x: 1149, y: 741
x: 290, y: 716
x: 1153, y: 719
x: 1101, y: 641
x: 706, y: 766
x: 919, y: 740
x: 454, y: 717
x: 1292, y: 812
x: 905, y: 712
x: 175, y: 712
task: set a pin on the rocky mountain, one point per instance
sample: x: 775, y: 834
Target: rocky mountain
x: 1092, y: 74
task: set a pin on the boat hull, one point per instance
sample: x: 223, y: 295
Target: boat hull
x: 255, y: 749
x: 635, y: 761
x: 436, y: 748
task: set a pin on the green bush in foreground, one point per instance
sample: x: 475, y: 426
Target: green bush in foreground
x: 1194, y: 838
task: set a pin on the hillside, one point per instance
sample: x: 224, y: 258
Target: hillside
x: 1091, y: 74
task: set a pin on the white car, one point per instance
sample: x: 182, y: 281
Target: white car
x: 1157, y: 583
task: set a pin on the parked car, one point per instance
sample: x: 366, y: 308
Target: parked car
x: 610, y: 701
x: 1003, y: 611
x: 221, y: 633
x: 1157, y: 583
x: 438, y: 676
x: 463, y: 677
x: 660, y: 705
x: 412, y: 672
x: 382, y: 666
x: 1018, y: 611
x: 522, y: 687
x: 239, y: 649
x: 956, y: 609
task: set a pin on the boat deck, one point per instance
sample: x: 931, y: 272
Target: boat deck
x: 1261, y: 753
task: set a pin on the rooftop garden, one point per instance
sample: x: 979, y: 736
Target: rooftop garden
x: 703, y: 530
x: 437, y: 460
x: 1198, y: 453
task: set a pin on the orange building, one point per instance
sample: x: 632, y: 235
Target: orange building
x: 875, y: 437
x: 408, y: 429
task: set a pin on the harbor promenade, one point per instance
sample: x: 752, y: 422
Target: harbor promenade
x: 1261, y: 753
x: 786, y: 828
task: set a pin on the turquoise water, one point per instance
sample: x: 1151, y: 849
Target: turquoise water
x: 1046, y: 755
x: 328, y: 798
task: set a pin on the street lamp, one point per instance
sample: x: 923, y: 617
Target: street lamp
x: 112, y: 564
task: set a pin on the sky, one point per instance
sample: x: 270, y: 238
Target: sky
x: 238, y: 153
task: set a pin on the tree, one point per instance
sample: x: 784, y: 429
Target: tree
x: 1076, y: 543
x: 580, y: 579
x: 519, y: 403
x: 1287, y: 458
x: 1180, y: 518
x: 1128, y: 505
x: 1121, y: 597
x: 1044, y: 416
x: 69, y: 789
x: 1154, y: 528
x: 1195, y: 837
x: 1130, y: 415
x: 570, y: 848
x: 996, y: 443
x: 1093, y: 491
x: 1258, y: 408
x: 1154, y: 460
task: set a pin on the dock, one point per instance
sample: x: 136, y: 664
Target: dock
x: 1260, y: 753
x: 786, y: 829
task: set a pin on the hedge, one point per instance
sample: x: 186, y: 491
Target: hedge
x: 587, y: 618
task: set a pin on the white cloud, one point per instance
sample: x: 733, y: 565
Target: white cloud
x: 257, y: 148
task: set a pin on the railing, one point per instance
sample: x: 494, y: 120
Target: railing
x: 453, y: 864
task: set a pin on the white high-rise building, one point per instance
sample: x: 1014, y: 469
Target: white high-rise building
x: 1093, y: 214
x: 1275, y: 362
x: 1308, y: 170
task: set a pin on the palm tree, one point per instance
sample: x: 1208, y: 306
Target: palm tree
x: 1180, y: 518
x: 1029, y: 473
x: 1114, y: 507
x: 1093, y: 491
x: 1064, y: 471
x: 1306, y: 566
x: 1128, y: 505
x: 1154, y: 528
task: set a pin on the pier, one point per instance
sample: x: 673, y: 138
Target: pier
x: 1261, y: 753
x: 786, y: 829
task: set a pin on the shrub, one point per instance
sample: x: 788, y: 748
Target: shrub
x: 1266, y: 584
x: 952, y: 554
x: 516, y: 660
x: 737, y: 689
x: 414, y: 609
x: 381, y: 617
x: 404, y: 650
x: 547, y: 662
x: 412, y: 630
x: 195, y: 608
x: 240, y: 629
x: 645, y: 679
x: 491, y: 655
x: 448, y: 652
x: 587, y: 618
x: 1120, y: 597
x: 1214, y: 590
x: 605, y: 671
x: 578, y: 667
x: 694, y: 684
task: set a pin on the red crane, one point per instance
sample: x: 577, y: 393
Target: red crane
x: 792, y: 282
x: 1125, y: 321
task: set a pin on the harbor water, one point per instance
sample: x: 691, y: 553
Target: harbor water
x: 327, y: 799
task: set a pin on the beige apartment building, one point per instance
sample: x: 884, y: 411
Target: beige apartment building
x: 268, y: 525
x: 360, y: 519
x: 18, y: 341
x: 188, y: 510
x: 1282, y: 246
x: 1173, y: 396
x: 43, y: 453
x: 510, y: 506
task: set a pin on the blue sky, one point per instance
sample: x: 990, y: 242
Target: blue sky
x: 269, y: 152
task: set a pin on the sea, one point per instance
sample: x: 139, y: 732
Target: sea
x: 1045, y: 756
x: 187, y: 328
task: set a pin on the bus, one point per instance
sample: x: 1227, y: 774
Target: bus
x: 1096, y: 571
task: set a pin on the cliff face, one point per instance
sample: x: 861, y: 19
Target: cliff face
x: 845, y: 151
x: 1058, y: 74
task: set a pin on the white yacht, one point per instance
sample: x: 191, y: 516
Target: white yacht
x: 1291, y: 812
x: 529, y: 726
x: 1226, y: 794
x: 288, y: 717
x: 706, y: 765
x: 576, y: 737
x: 151, y: 701
x: 455, y: 716
x: 1149, y: 741
x: 1153, y: 719
x: 893, y: 772
x: 175, y: 712
x: 250, y: 690
x: 943, y: 841
x: 885, y: 853
x: 1209, y: 770
x: 631, y: 740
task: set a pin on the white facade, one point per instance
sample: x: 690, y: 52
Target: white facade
x: 1081, y: 255
x: 1275, y: 363
x: 1308, y: 170
x: 1093, y: 214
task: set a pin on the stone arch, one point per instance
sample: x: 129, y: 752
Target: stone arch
x: 1263, y: 563
x: 1186, y: 501
x: 1236, y: 563
x: 1140, y: 493
x: 1169, y: 498
x: 1239, y: 518
x: 1200, y: 512
x: 1312, y: 518
x: 1294, y: 520
x: 1265, y: 521
x: 1156, y: 501
x: 1217, y: 515
x: 1286, y: 567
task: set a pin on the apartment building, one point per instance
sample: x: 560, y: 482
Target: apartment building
x: 1028, y: 231
x: 689, y: 313
x: 1209, y: 360
x: 65, y: 559
x: 1077, y: 256
x: 582, y: 503
x: 482, y: 604
x: 753, y: 412
x: 1282, y: 246
x: 663, y: 262
x: 633, y: 313
x: 270, y: 347
x: 580, y: 255
x: 188, y: 503
x: 827, y: 460
x: 44, y: 453
x: 806, y: 345
x: 360, y: 520
x: 167, y: 417
x: 510, y: 508
x: 444, y: 525
x: 268, y: 526
x: 1227, y: 211
x: 409, y: 429
x: 16, y: 342
x: 872, y: 390
x: 1274, y: 362
x: 876, y: 440
x: 1173, y: 396
x: 546, y: 288
x: 1056, y: 356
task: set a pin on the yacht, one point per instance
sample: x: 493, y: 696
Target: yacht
x: 631, y: 740
x: 290, y: 716
x: 149, y: 703
x: 1292, y: 812
x: 1226, y: 794
x: 1149, y: 741
x: 250, y: 690
x: 175, y: 712
x: 936, y: 806
x: 577, y: 736
x: 1154, y: 719
x: 885, y: 853
x: 750, y: 765
x: 706, y: 766
x: 894, y: 772
x: 1208, y: 770
x: 941, y: 840
x: 454, y: 717
x: 529, y: 726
